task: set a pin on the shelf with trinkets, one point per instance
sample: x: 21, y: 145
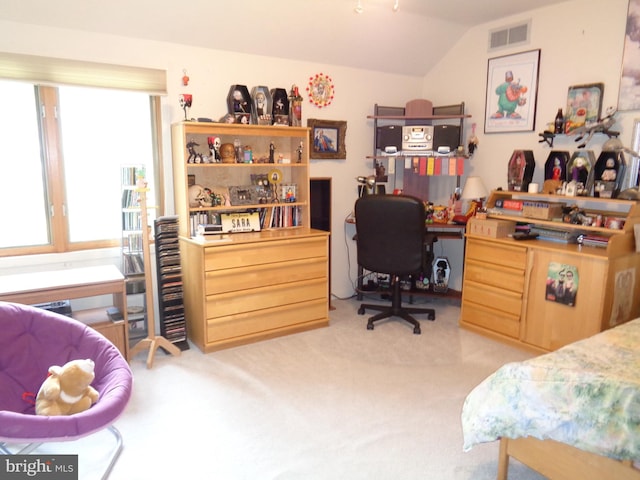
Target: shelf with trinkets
x: 252, y: 267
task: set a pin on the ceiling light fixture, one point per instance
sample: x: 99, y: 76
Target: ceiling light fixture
x: 396, y: 6
x: 358, y: 8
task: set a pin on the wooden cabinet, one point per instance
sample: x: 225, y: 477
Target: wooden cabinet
x: 244, y: 287
x: 254, y: 286
x: 506, y: 286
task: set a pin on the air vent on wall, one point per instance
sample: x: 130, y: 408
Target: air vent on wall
x: 508, y: 36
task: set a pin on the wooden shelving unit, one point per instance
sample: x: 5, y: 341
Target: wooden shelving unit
x: 244, y: 287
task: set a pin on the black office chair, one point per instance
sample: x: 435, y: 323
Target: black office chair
x: 390, y: 232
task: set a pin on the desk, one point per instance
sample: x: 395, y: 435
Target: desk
x: 57, y: 285
x: 451, y: 231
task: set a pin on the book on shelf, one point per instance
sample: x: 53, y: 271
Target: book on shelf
x: 590, y: 240
x: 556, y: 234
x: 115, y: 315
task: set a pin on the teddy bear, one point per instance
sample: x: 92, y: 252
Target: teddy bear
x: 67, y: 389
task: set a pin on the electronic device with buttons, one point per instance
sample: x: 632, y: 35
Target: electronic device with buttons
x: 417, y: 138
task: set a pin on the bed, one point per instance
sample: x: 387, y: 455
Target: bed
x: 573, y: 413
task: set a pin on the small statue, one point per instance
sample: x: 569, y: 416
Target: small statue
x: 299, y: 150
x: 214, y: 148
x: 194, y: 157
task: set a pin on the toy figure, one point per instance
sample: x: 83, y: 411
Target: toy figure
x: 194, y: 157
x: 214, y: 148
x: 579, y: 172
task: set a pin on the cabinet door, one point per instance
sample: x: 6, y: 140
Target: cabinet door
x: 551, y: 321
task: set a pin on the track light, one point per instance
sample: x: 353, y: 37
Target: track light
x: 396, y: 6
x: 358, y: 8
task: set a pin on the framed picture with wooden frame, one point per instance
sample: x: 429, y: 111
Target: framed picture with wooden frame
x: 327, y: 139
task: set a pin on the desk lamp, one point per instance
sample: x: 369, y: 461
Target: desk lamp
x: 474, y: 191
x: 368, y: 185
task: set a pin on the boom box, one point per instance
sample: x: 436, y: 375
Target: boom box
x: 417, y: 138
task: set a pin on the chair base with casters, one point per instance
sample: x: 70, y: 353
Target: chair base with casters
x: 396, y: 309
x: 24, y: 364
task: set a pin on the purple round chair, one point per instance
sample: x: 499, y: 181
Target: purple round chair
x: 31, y: 340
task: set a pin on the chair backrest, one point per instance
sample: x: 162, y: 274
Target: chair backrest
x: 31, y: 341
x: 390, y: 233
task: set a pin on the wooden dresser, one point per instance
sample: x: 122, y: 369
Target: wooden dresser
x: 506, y: 282
x: 246, y: 287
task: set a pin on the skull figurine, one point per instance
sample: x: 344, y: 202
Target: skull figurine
x: 197, y: 196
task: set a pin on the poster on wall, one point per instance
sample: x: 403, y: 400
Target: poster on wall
x: 629, y: 96
x: 562, y: 283
x: 512, y: 92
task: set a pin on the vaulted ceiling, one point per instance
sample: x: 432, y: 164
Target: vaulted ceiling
x: 323, y: 31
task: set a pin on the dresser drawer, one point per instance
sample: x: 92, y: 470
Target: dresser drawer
x: 499, y: 254
x: 486, y: 317
x: 234, y: 256
x: 498, y: 299
x: 258, y: 323
x: 243, y: 278
x: 254, y: 299
x: 495, y: 275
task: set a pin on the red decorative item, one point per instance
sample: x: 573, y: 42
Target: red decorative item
x: 321, y: 90
x: 185, y: 78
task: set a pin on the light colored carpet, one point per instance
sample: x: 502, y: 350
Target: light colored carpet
x: 334, y: 403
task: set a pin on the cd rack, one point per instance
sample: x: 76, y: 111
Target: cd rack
x: 173, y: 325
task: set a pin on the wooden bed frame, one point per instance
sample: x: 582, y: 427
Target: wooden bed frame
x: 559, y: 461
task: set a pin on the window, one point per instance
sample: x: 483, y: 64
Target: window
x: 61, y: 153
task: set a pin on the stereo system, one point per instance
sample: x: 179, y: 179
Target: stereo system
x: 417, y: 138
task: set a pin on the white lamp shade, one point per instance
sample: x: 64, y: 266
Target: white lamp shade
x: 474, y: 188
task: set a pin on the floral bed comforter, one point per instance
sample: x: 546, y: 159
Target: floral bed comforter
x: 586, y: 394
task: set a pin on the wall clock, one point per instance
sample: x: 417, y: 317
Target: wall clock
x: 321, y: 90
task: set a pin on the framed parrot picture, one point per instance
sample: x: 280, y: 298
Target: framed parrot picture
x: 512, y: 92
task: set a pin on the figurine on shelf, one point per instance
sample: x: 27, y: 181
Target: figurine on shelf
x: 214, y: 148
x: 580, y: 172
x: 186, y: 100
x: 194, y: 157
x: 299, y: 151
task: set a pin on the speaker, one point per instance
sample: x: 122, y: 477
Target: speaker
x: 446, y: 136
x: 389, y: 136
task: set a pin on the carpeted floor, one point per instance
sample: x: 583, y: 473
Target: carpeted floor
x: 334, y: 403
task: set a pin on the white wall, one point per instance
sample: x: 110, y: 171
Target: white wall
x: 211, y: 73
x: 581, y: 42
x: 577, y: 47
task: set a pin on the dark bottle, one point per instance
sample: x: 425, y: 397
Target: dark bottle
x: 558, y: 125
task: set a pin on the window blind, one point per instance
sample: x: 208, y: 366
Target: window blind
x: 60, y: 71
